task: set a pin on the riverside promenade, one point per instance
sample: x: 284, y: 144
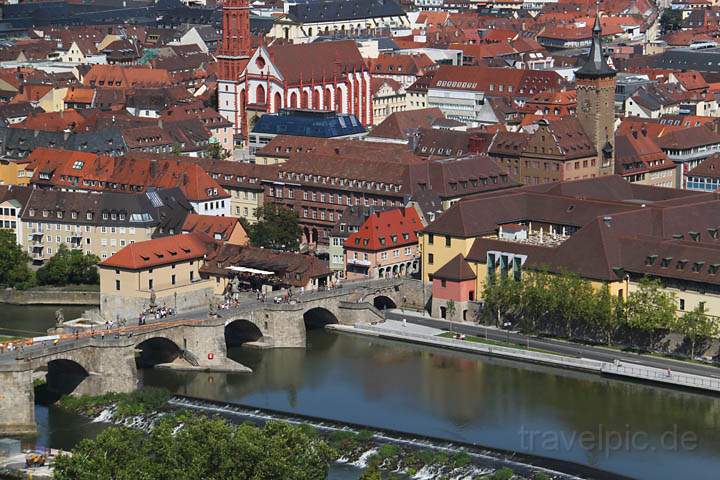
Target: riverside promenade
x: 619, y: 366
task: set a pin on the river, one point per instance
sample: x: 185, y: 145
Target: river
x: 630, y: 429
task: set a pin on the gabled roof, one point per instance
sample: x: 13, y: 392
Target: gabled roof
x: 399, y: 124
x: 319, y: 60
x: 386, y: 230
x: 157, y: 252
x: 211, y: 225
x: 456, y: 270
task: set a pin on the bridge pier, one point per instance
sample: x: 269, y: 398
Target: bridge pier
x: 110, y: 369
x: 17, y: 402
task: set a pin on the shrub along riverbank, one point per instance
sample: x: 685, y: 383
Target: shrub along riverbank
x: 180, y: 444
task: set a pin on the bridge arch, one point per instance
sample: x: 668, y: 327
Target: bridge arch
x: 241, y: 331
x: 319, y: 317
x: 62, y: 377
x: 384, y: 302
x: 156, y: 350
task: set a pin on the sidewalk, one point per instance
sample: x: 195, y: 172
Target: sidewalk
x: 560, y: 346
x: 420, y: 334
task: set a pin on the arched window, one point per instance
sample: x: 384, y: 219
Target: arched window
x: 277, y: 103
x: 327, y: 101
x: 339, y: 100
x: 305, y: 99
x: 260, y: 94
x: 293, y: 100
x: 316, y: 99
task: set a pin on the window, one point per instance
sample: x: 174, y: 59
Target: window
x: 448, y: 240
x: 431, y: 258
x: 682, y: 304
x: 443, y: 283
x: 430, y: 238
x: 117, y: 284
x: 192, y: 275
x: 172, y: 279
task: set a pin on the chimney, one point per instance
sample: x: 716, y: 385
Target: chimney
x: 608, y: 221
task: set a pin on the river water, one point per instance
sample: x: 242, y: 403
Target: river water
x: 630, y: 429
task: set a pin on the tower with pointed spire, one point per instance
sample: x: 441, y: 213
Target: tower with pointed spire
x: 595, y: 85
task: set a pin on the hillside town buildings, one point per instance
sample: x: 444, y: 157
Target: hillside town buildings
x: 190, y: 121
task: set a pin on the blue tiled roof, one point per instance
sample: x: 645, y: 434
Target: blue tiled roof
x: 338, y: 10
x: 308, y: 123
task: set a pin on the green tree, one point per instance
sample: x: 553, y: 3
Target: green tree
x: 450, y: 309
x: 187, y: 447
x: 216, y: 152
x: 670, y: 20
x: 650, y: 308
x: 176, y: 149
x: 69, y: 267
x: 14, y: 270
x: 605, y: 313
x: 276, y: 228
x: 695, y: 324
x: 372, y: 472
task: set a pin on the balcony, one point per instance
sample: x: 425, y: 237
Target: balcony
x: 357, y: 261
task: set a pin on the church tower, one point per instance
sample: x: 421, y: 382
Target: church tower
x: 233, y: 54
x: 595, y: 86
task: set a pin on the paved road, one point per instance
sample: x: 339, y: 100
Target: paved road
x: 559, y: 346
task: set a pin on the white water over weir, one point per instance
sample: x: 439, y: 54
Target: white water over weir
x: 483, y: 460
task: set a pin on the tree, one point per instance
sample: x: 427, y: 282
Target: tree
x: 188, y: 447
x: 670, y: 20
x: 605, y: 313
x: 176, y: 149
x: 695, y: 323
x: 69, y: 267
x: 14, y: 270
x: 276, y: 228
x: 650, y: 308
x: 450, y: 309
x: 216, y: 152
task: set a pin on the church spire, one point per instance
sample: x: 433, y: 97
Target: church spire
x: 595, y: 63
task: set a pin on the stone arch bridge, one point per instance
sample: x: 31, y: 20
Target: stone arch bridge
x: 109, y: 362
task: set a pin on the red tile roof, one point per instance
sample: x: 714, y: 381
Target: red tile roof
x: 387, y: 230
x: 156, y: 252
x: 307, y: 62
x: 210, y: 225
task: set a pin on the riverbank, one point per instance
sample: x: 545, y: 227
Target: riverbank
x: 50, y: 296
x: 424, y: 335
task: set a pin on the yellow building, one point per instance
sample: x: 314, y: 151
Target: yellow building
x: 167, y: 269
x: 12, y: 172
x: 606, y: 230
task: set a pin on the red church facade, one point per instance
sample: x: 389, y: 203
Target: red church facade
x: 318, y: 76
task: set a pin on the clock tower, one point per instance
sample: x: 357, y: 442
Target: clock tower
x: 595, y: 86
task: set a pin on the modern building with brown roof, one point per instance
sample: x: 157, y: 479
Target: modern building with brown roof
x: 606, y: 230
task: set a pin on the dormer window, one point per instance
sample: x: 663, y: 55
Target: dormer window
x: 73, y: 215
x: 46, y: 213
x: 89, y: 215
x: 105, y: 216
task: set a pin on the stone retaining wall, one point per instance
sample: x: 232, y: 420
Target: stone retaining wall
x: 48, y: 297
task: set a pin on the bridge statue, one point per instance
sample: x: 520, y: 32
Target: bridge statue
x: 59, y: 317
x: 153, y: 300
